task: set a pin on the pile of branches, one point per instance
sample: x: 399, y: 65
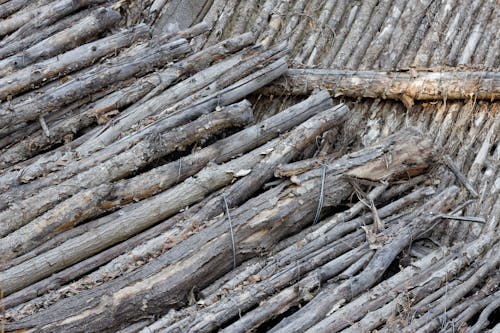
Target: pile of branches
x: 138, y: 192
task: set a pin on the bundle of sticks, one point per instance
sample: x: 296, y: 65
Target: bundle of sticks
x: 139, y: 191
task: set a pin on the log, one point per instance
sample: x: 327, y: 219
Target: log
x: 117, y: 69
x: 243, y: 293
x: 173, y: 100
x: 285, y: 150
x: 226, y: 96
x: 406, y: 86
x: 95, y: 201
x: 80, y: 32
x: 17, y: 45
x: 203, y: 257
x: 70, y: 61
x: 422, y: 282
x: 136, y: 157
x: 141, y: 90
x: 9, y: 7
x: 48, y: 13
x: 314, y: 317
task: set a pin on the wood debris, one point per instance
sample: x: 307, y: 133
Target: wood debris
x: 249, y: 166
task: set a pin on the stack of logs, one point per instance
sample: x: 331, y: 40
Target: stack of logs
x: 138, y: 193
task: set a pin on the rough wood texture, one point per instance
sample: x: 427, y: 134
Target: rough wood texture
x: 47, y: 14
x: 65, y: 63
x: 67, y: 39
x: 226, y: 96
x: 139, y: 91
x: 257, y: 224
x: 118, y: 69
x: 139, y: 155
x: 406, y: 86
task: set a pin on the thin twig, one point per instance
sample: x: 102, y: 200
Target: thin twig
x: 463, y: 218
x: 321, y: 195
x: 230, y: 229
x: 460, y: 176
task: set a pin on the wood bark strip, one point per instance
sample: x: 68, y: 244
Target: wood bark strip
x: 70, y: 61
x: 140, y: 155
x: 80, y: 32
x: 405, y: 86
x: 141, y: 90
x: 257, y: 225
x: 118, y: 69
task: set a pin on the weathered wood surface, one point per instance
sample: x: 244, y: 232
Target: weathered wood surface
x: 269, y: 155
x: 119, y: 166
x: 65, y: 63
x: 209, y: 82
x: 45, y: 14
x: 404, y: 85
x: 99, y: 196
x: 228, y: 95
x: 11, y: 46
x: 255, y: 231
x: 118, y: 69
x: 140, y: 91
x: 79, y: 32
x: 399, y: 254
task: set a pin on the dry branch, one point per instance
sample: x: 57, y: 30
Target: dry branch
x: 203, y: 257
x: 65, y: 63
x: 288, y: 148
x: 226, y: 96
x: 155, y: 146
x: 207, y: 82
x: 139, y: 91
x: 9, y: 7
x: 8, y: 48
x: 67, y: 39
x: 45, y: 14
x: 118, y: 69
x: 405, y: 86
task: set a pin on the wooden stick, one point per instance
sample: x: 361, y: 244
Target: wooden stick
x: 65, y: 63
x: 89, y: 27
x: 460, y: 176
x: 257, y: 224
x: 118, y: 69
x: 405, y: 86
x: 182, y: 95
x: 21, y: 43
x: 226, y: 96
x: 9, y: 7
x: 50, y: 12
x: 139, y: 91
x: 137, y: 156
